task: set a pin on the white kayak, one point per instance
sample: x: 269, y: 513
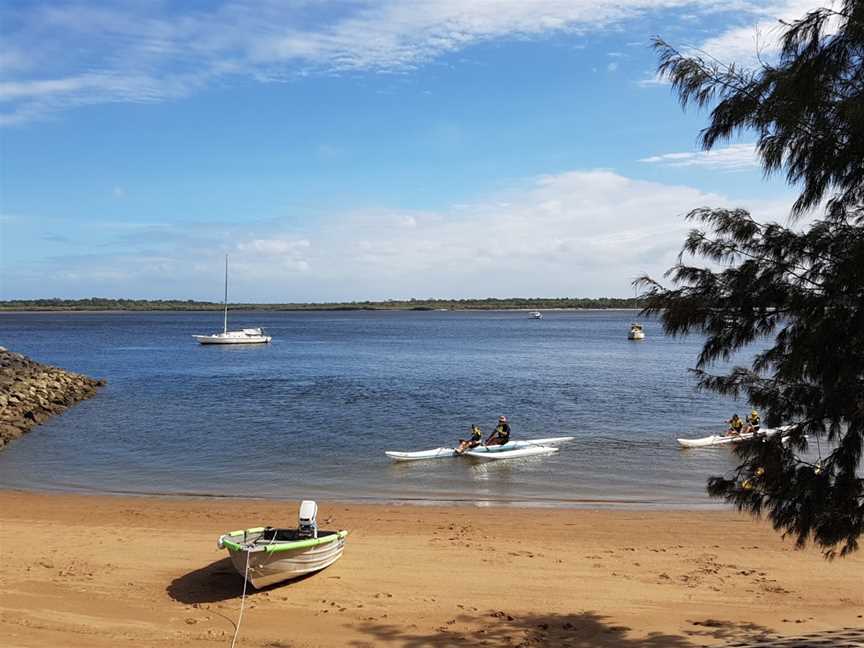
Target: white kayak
x: 443, y: 453
x: 723, y: 439
x: 493, y: 453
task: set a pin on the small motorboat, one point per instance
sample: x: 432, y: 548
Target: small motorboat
x: 724, y: 439
x: 267, y: 555
x: 536, y: 315
x: 446, y: 453
x: 636, y: 332
x: 496, y: 453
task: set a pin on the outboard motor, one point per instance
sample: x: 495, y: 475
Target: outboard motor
x: 307, y: 526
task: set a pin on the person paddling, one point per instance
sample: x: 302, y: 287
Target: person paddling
x: 735, y: 425
x: 753, y: 422
x: 501, y: 434
x: 472, y: 442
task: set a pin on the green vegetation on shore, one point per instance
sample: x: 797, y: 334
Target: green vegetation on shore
x: 103, y: 304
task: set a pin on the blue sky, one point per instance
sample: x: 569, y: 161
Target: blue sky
x: 359, y: 150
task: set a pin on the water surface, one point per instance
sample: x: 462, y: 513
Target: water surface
x: 311, y: 414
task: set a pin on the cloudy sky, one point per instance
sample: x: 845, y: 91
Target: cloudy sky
x: 359, y: 150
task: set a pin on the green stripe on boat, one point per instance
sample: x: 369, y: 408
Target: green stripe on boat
x: 282, y: 546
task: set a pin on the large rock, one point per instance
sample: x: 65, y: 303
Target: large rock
x: 31, y: 392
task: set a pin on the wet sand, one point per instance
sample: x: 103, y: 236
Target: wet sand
x: 106, y: 571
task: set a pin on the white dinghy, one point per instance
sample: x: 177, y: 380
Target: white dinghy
x: 266, y: 555
x: 446, y: 453
x: 724, y: 439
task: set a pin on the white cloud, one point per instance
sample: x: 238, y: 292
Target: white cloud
x: 138, y: 52
x: 729, y: 158
x: 611, y: 67
x: 745, y: 45
x: 274, y: 247
x: 577, y: 233
x: 652, y: 81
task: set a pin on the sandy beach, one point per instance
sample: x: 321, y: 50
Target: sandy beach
x: 97, y: 571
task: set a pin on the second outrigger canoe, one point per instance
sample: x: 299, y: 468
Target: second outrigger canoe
x: 723, y: 439
x: 445, y: 453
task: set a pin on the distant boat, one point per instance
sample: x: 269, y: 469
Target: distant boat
x: 636, y: 332
x: 243, y: 336
x: 536, y: 315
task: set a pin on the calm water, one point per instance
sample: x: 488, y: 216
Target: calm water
x: 311, y: 414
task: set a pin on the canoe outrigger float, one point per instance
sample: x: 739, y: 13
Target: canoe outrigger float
x: 493, y: 453
x: 499, y: 451
x: 723, y: 439
x: 265, y: 555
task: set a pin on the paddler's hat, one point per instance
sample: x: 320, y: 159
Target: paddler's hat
x: 503, y: 419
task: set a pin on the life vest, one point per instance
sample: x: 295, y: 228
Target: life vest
x: 503, y: 430
x: 736, y: 424
x: 753, y: 420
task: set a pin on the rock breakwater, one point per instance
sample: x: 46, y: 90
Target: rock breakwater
x: 32, y: 392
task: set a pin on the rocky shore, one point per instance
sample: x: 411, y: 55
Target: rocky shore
x: 31, y: 393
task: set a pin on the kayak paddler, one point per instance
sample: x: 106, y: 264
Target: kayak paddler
x: 501, y: 434
x: 472, y: 442
x: 753, y: 422
x: 735, y: 425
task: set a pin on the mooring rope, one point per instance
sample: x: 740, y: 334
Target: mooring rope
x: 243, y: 598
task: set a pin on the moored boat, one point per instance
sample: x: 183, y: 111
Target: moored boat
x: 243, y: 336
x: 636, y: 332
x: 268, y: 555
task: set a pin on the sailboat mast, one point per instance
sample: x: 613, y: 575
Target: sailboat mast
x: 225, y: 322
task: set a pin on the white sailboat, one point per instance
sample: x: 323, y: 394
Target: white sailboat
x: 243, y: 336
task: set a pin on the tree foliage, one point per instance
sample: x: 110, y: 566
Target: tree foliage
x: 800, y: 290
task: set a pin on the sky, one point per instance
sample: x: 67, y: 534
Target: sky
x: 346, y: 150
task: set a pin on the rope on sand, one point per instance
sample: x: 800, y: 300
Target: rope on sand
x: 242, y: 599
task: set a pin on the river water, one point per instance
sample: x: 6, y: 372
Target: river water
x: 310, y: 415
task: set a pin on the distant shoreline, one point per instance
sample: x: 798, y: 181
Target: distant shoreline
x: 118, y: 311
x: 104, y: 305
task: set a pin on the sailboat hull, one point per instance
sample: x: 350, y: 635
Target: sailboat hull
x: 232, y: 337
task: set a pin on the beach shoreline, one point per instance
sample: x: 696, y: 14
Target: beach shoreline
x: 104, y: 570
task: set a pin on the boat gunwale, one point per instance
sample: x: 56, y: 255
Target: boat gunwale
x: 226, y: 541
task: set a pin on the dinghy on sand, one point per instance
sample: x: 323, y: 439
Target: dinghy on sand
x: 266, y: 555
x: 446, y: 453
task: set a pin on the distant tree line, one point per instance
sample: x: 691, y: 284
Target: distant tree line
x: 512, y: 303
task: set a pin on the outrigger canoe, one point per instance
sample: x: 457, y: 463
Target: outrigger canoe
x: 723, y: 439
x: 446, y: 453
x: 494, y: 453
